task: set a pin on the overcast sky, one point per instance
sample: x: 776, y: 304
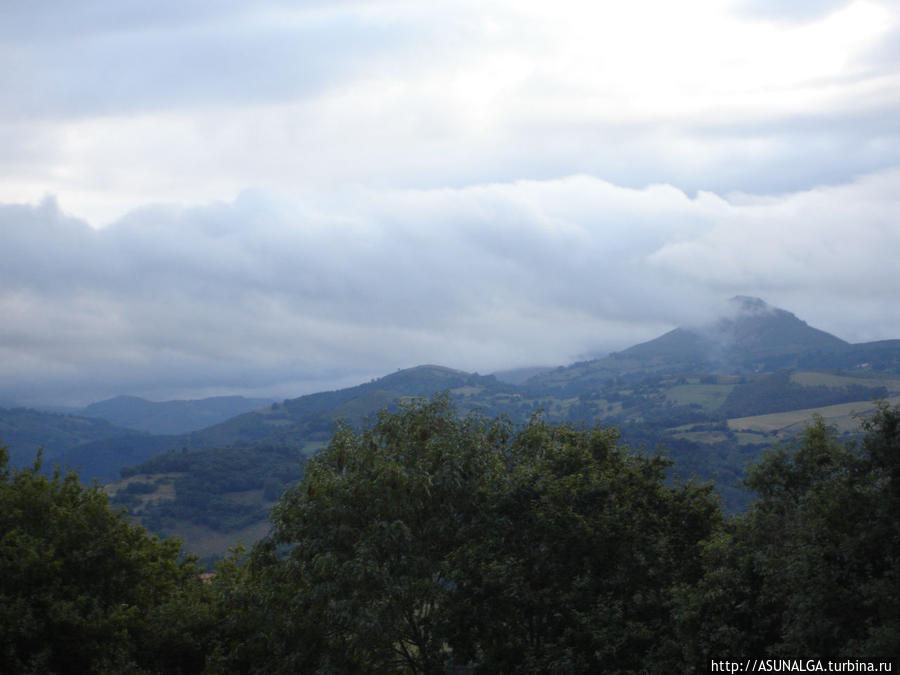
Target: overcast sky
x: 275, y: 198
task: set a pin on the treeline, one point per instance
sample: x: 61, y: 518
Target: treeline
x: 776, y: 392
x: 430, y: 543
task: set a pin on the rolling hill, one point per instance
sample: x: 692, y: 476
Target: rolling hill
x: 714, y: 396
x: 751, y: 337
x: 170, y: 417
x: 735, y: 358
x: 26, y: 431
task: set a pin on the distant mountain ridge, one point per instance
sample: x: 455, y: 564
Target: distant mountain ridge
x: 311, y: 417
x: 714, y: 396
x: 751, y: 336
x: 749, y: 340
x: 25, y: 431
x: 171, y: 417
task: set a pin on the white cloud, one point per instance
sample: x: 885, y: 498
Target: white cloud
x: 110, y: 108
x: 483, y: 184
x: 293, y: 293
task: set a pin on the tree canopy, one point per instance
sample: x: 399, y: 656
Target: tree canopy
x: 814, y: 566
x: 83, y: 590
x: 430, y: 542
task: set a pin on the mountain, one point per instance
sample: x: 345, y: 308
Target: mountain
x: 304, y: 421
x: 520, y: 375
x: 713, y: 396
x: 749, y: 337
x: 312, y: 417
x: 25, y: 431
x: 626, y: 388
x: 703, y: 374
x: 171, y: 417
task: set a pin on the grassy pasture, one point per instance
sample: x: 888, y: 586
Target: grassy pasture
x: 844, y: 416
x: 751, y: 438
x: 708, y: 396
x: 205, y: 542
x: 165, y: 487
x: 817, y: 379
x: 703, y: 436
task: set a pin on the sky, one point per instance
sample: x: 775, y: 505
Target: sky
x: 276, y: 198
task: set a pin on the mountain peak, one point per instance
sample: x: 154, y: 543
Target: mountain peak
x: 749, y: 333
x: 746, y: 304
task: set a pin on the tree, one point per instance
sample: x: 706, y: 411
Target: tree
x: 83, y: 590
x: 431, y: 542
x: 812, y: 567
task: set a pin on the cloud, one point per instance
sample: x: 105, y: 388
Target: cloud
x: 797, y: 11
x: 481, y: 184
x: 110, y: 108
x: 107, y: 59
x: 281, y: 294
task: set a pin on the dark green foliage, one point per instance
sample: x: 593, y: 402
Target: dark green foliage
x: 573, y: 569
x: 776, y: 392
x: 430, y: 542
x: 812, y: 568
x: 83, y: 590
x: 140, y: 488
x: 721, y: 462
x: 203, y: 494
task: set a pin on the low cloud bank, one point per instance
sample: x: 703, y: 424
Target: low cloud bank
x: 282, y: 295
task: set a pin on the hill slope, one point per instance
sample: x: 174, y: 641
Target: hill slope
x: 171, y: 417
x: 713, y: 396
x: 750, y: 337
x: 626, y: 389
x: 25, y: 431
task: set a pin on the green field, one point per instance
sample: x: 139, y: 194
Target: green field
x: 818, y: 379
x: 702, y: 436
x: 164, y: 482
x: 708, y: 396
x: 844, y: 416
x: 206, y: 542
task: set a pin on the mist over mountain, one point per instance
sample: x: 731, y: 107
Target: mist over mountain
x: 749, y: 335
